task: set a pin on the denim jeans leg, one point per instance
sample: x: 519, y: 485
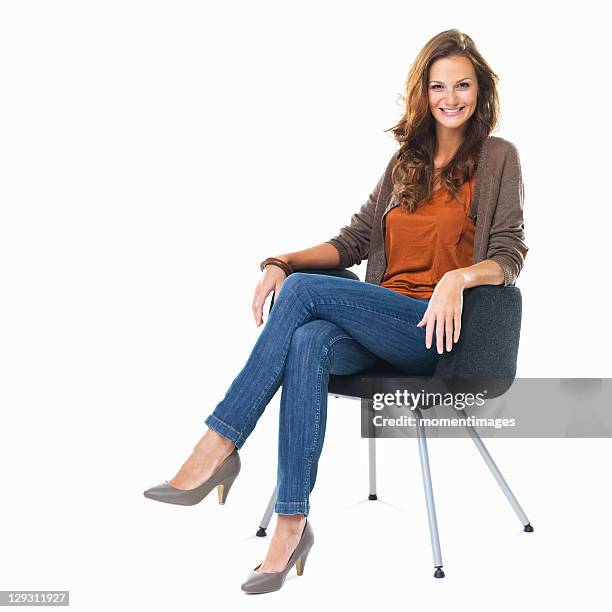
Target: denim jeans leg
x: 256, y: 384
x: 317, y: 348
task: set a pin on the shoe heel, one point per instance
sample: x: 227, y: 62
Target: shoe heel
x: 223, y: 489
x: 300, y: 564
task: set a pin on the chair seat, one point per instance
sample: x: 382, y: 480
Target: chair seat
x: 351, y: 385
x: 389, y: 380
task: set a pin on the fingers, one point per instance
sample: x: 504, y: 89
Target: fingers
x: 429, y: 331
x: 264, y: 287
x: 258, y: 302
x: 257, y: 305
x: 446, y: 324
x: 457, y: 322
x: 440, y: 332
x: 449, y: 330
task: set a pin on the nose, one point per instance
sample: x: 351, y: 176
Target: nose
x: 452, y: 98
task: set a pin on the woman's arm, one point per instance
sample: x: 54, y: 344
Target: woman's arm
x: 506, y: 250
x: 507, y: 234
x: 321, y: 256
x: 486, y: 272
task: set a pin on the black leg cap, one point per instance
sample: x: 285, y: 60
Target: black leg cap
x: 439, y: 573
x: 261, y: 533
x: 372, y: 496
x: 528, y: 528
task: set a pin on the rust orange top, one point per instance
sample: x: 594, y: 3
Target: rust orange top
x: 423, y: 245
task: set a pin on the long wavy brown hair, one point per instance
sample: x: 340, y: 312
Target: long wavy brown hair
x: 413, y: 172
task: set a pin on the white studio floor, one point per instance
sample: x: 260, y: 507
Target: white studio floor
x: 107, y: 544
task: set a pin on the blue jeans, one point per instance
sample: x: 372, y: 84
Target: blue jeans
x: 319, y: 325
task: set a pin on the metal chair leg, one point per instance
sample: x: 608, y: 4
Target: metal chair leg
x: 372, y: 466
x: 500, y: 479
x: 429, y: 499
x: 267, y: 515
x: 371, y: 459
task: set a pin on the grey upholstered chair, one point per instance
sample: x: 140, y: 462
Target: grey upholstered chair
x: 487, y: 348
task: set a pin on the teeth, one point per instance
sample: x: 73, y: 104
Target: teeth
x: 453, y: 109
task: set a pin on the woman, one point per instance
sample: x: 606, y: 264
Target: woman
x: 446, y: 215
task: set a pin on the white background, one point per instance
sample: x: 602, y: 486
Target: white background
x: 151, y: 155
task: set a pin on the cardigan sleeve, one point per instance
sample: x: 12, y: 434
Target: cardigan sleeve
x: 507, y: 234
x: 353, y: 240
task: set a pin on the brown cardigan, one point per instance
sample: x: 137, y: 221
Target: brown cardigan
x: 497, y: 208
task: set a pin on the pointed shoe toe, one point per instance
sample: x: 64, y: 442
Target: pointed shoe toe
x: 263, y: 582
x: 266, y: 582
x: 223, y: 478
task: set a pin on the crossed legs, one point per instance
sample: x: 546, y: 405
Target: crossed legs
x: 319, y: 325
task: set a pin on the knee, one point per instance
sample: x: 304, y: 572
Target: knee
x: 309, y: 336
x: 314, y: 338
x: 293, y: 283
x: 298, y: 286
x: 296, y: 279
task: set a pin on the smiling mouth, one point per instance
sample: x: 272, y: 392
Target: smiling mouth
x: 450, y: 112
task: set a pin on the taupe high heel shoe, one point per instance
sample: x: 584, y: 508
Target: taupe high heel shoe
x: 266, y: 582
x: 223, y: 478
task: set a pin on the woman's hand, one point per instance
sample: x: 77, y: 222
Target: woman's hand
x: 444, y: 310
x: 271, y: 280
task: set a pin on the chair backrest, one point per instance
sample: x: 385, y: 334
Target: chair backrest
x: 485, y: 356
x: 489, y: 338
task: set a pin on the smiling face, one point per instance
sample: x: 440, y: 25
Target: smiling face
x: 453, y: 89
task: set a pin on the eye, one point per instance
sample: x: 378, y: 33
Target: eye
x: 467, y: 85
